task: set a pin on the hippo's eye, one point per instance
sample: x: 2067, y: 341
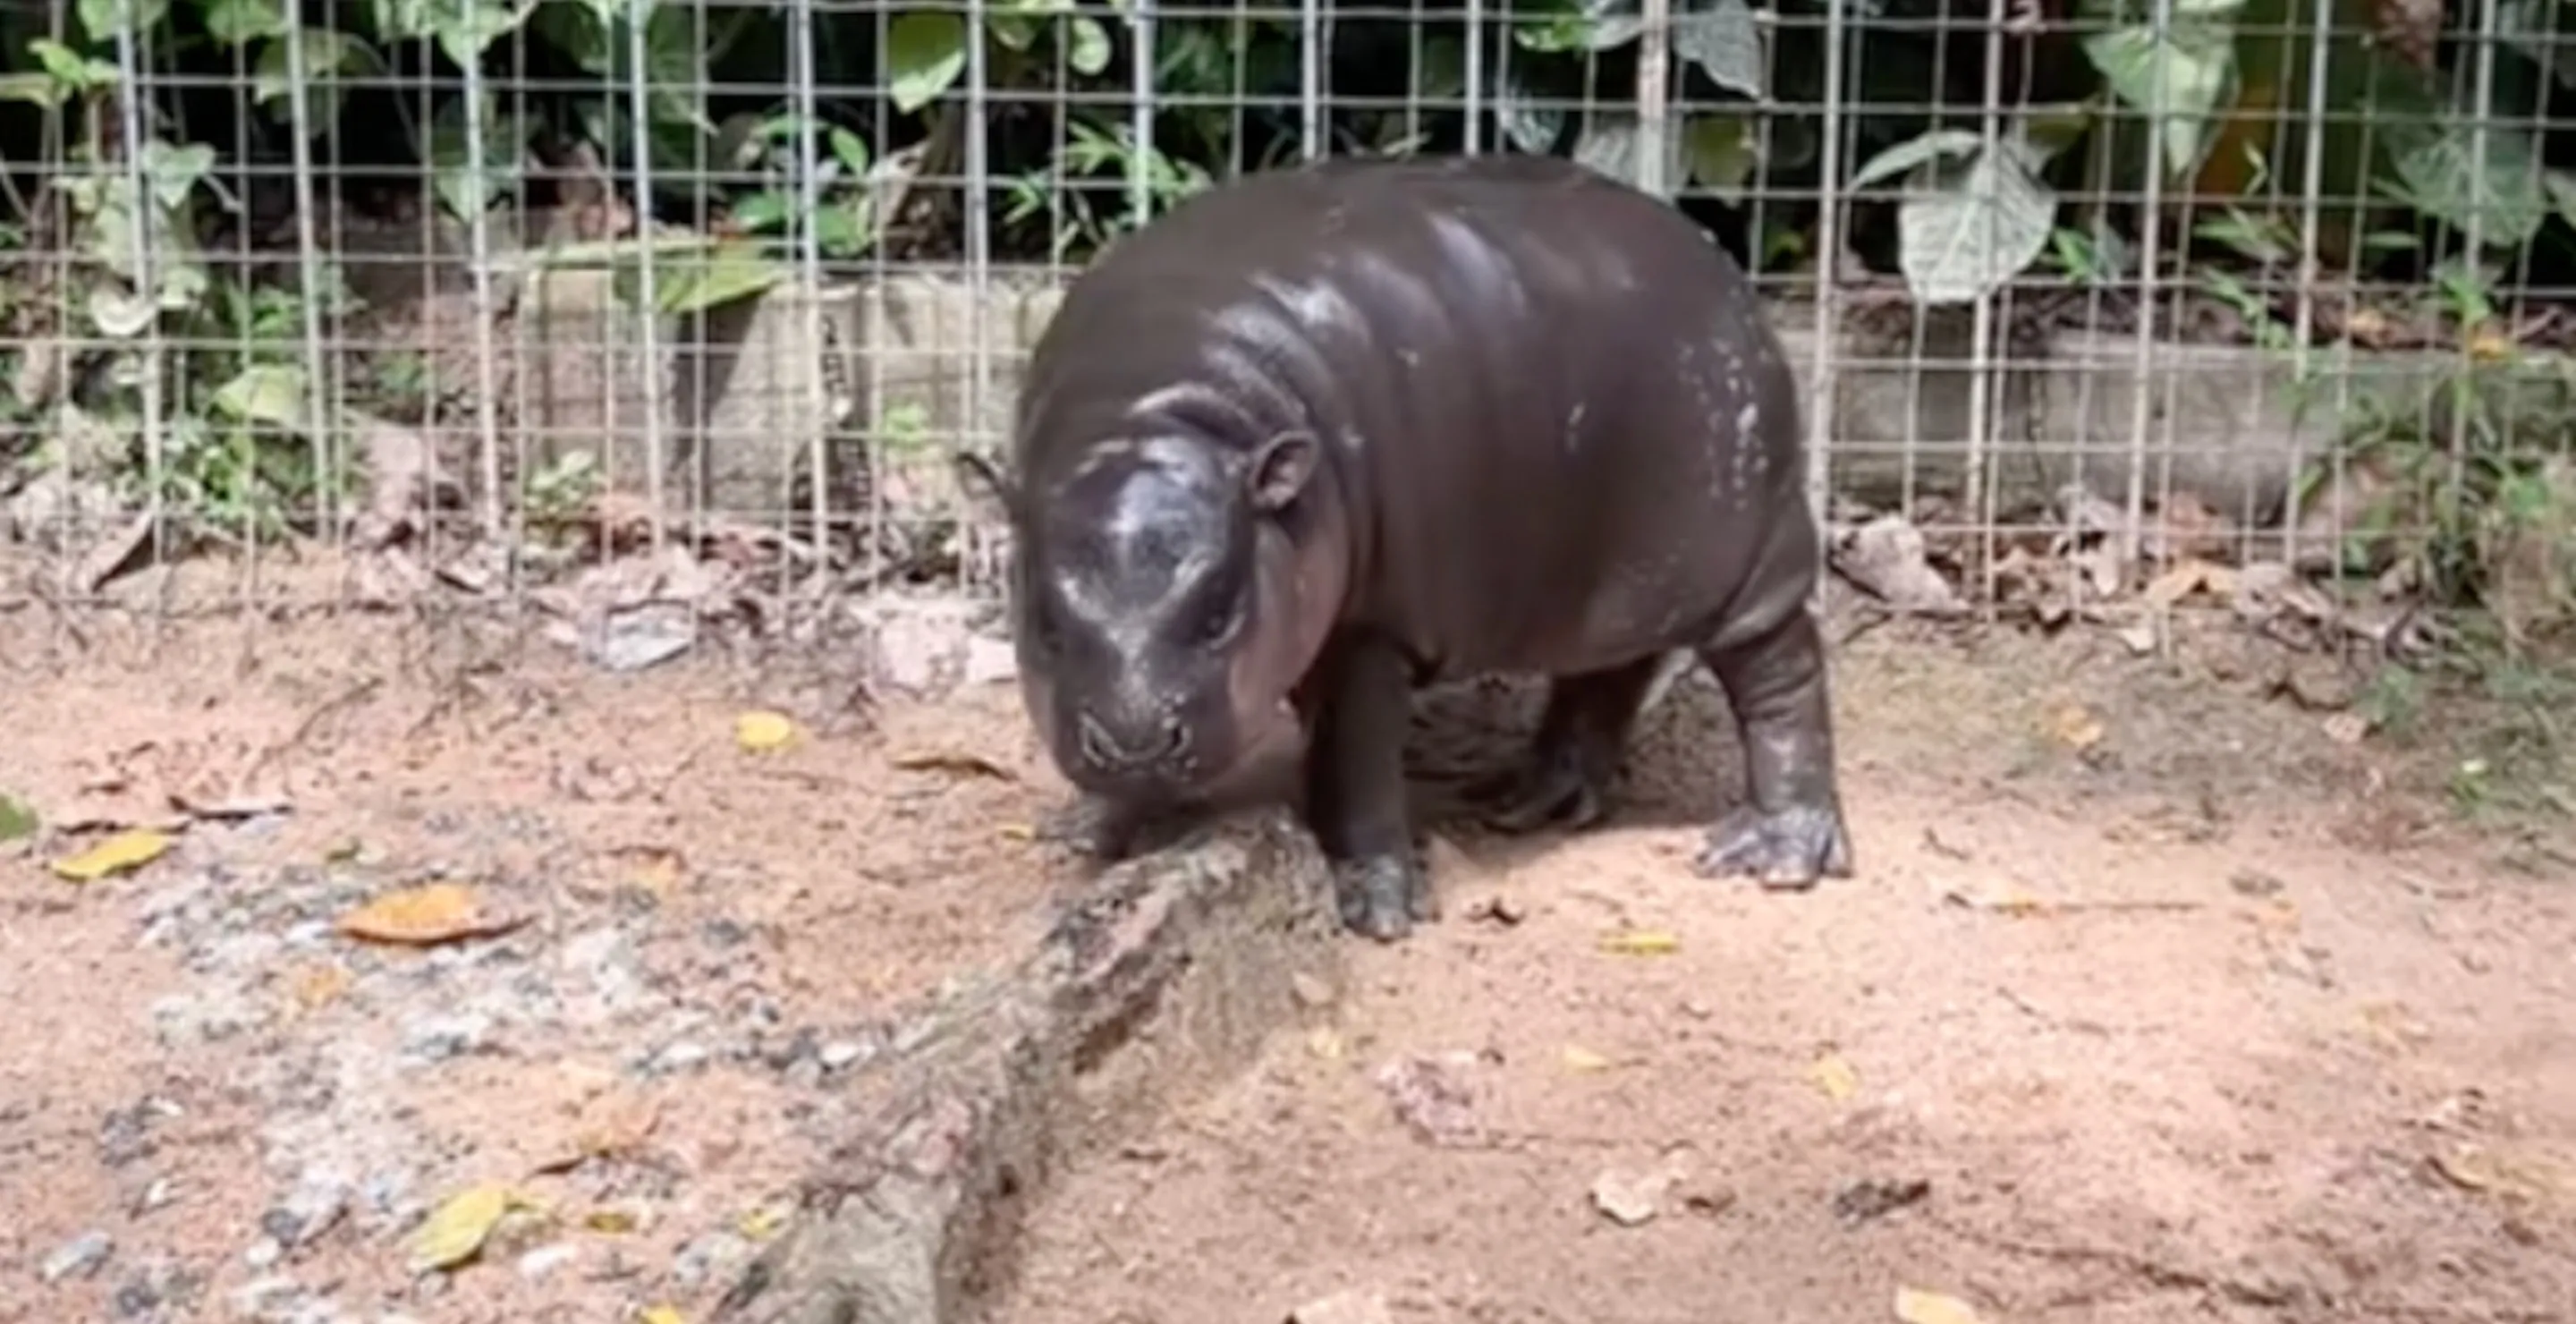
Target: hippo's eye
x: 1214, y: 622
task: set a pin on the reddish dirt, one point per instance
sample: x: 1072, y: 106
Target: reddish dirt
x: 2140, y: 1033
x: 254, y: 1111
x: 2214, y: 1074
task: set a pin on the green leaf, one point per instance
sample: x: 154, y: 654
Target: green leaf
x: 36, y: 89
x: 17, y: 819
x: 325, y: 52
x: 466, y: 28
x: 1722, y: 151
x: 105, y: 20
x: 267, y: 393
x: 241, y: 22
x: 2562, y: 194
x: 1089, y: 51
x: 1528, y: 126
x: 850, y: 150
x: 1965, y: 228
x: 1916, y: 151
x: 733, y: 269
x: 2194, y: 61
x: 925, y: 56
x: 2441, y: 171
x: 1725, y: 41
x: 119, y: 315
x: 175, y: 171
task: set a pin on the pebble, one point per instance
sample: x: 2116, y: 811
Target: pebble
x: 841, y: 1054
x: 157, y: 1195
x: 264, y: 1253
x: 438, y: 1038
x: 544, y: 1260
x: 681, y: 1056
x: 319, y: 1199
x: 79, y: 1256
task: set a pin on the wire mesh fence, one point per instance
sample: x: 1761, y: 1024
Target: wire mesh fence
x: 2090, y: 298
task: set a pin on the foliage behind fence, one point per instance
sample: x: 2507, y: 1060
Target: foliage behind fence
x: 499, y: 286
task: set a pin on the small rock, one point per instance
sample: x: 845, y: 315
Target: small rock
x: 1310, y: 991
x: 316, y: 1203
x: 79, y: 1257
x: 703, y: 1259
x: 682, y: 1056
x: 842, y: 1054
x: 438, y: 1038
x: 1350, y: 1307
x: 544, y: 1260
x: 990, y: 662
x: 155, y: 1196
x: 264, y: 1253
x: 1631, y: 1198
x: 804, y: 1073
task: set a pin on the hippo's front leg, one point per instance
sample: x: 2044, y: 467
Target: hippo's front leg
x: 1790, y: 832
x: 1355, y: 789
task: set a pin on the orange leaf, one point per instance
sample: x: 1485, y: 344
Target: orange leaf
x: 426, y: 916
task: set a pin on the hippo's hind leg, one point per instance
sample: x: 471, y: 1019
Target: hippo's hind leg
x: 1355, y: 793
x: 1790, y: 832
x: 1566, y: 780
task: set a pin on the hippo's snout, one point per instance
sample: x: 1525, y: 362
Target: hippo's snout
x: 1158, y: 743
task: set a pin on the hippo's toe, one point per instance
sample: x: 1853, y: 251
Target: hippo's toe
x: 1382, y: 896
x: 1785, y: 849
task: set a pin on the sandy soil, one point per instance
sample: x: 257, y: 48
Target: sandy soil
x: 2154, y: 1002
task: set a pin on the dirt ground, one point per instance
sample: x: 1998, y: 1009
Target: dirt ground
x: 2154, y: 1001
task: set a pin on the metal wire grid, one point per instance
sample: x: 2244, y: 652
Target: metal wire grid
x: 900, y: 187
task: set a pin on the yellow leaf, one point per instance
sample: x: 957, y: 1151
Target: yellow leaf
x: 661, y: 1314
x: 760, y: 1224
x: 1019, y: 832
x: 614, y: 1222
x: 2000, y: 898
x: 2489, y: 343
x: 125, y: 850
x: 424, y: 916
x: 1641, y: 942
x: 762, y: 730
x: 1835, y: 1077
x: 1584, y: 1059
x: 1919, y: 1307
x: 455, y: 1231
x: 2072, y: 725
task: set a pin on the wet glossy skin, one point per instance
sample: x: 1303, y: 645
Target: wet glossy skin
x: 1323, y: 435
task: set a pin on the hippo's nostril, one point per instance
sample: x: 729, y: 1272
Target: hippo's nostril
x: 1096, y: 743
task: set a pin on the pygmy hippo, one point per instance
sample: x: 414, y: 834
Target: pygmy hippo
x: 1324, y: 434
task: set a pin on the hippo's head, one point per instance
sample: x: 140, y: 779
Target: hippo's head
x: 1161, y: 608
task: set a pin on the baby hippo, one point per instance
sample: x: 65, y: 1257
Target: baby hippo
x: 1322, y: 435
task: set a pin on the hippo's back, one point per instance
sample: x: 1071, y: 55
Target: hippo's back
x: 1542, y: 390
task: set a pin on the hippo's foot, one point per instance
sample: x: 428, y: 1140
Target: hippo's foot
x: 1566, y: 782
x: 1383, y: 896
x: 1786, y: 850
x: 1546, y: 792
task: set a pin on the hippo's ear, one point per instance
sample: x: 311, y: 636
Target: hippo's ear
x: 984, y: 483
x: 1282, y: 468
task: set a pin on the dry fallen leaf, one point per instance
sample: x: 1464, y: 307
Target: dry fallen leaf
x: 1998, y: 897
x: 1584, y: 1059
x: 1835, y: 1077
x: 125, y: 850
x: 611, y: 1221
x: 1641, y: 942
x: 1325, y: 1042
x: 761, y: 1224
x: 456, y: 1230
x: 2187, y: 578
x: 654, y: 869
x: 950, y: 761
x: 661, y: 1314
x: 427, y: 915
x: 319, y: 984
x: 1018, y: 832
x: 1914, y: 1306
x: 2073, y: 725
x: 2489, y: 343
x: 762, y: 730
